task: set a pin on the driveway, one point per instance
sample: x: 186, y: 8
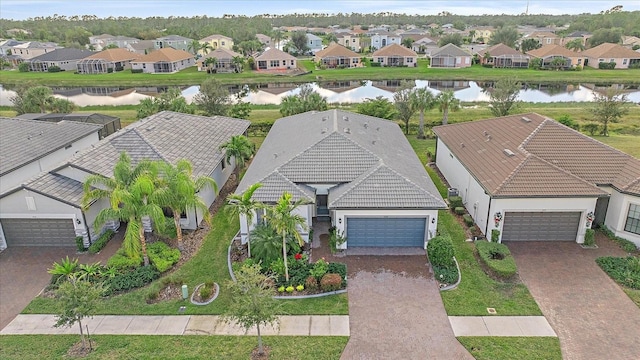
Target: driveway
x: 396, y: 312
x: 23, y: 273
x: 593, y: 317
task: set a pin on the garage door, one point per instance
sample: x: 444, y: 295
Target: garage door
x: 385, y: 232
x: 39, y: 232
x: 540, y: 226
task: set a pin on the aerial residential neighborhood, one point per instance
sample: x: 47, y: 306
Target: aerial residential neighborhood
x: 345, y: 180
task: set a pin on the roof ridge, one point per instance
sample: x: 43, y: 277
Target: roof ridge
x: 354, y: 184
x: 278, y: 173
x: 151, y: 145
x: 513, y: 173
x: 530, y: 136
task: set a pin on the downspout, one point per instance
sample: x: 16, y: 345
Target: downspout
x: 486, y: 230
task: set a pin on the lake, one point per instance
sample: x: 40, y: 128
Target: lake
x: 336, y: 92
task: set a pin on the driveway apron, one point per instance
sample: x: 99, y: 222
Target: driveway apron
x: 593, y: 317
x: 396, y: 312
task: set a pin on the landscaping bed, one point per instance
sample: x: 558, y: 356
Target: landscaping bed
x: 496, y: 260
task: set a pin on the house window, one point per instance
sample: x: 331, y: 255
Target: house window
x: 600, y: 60
x: 633, y: 219
x: 549, y: 41
x: 224, y: 164
x: 380, y: 60
x: 292, y: 62
x: 410, y: 60
x: 624, y: 61
x: 579, y: 61
x: 222, y: 42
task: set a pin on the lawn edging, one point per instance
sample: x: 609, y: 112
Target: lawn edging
x: 229, y: 264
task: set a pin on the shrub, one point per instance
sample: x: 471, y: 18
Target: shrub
x: 336, y: 238
x: 445, y: 274
x: 54, y: 69
x: 319, y: 269
x: 311, y: 283
x: 330, y: 282
x: 266, y: 244
x: 567, y: 121
x: 591, y: 128
x: 289, y: 289
x: 298, y: 273
x: 299, y: 287
x: 495, y: 235
x: 136, y: 71
x: 24, y: 67
x: 440, y: 251
x: 80, y: 243
x: 109, y: 70
x: 101, y: 242
x: 281, y: 289
x: 206, y: 291
x: 624, y: 270
x: 607, y: 65
x: 459, y: 210
x: 375, y: 64
x: 340, y: 269
x: 589, y: 238
x: 131, y: 279
x: 624, y: 244
x: 122, y: 262
x: 498, y: 258
x: 162, y: 256
x: 467, y: 219
x: 455, y: 201
x: 277, y: 267
x: 167, y: 229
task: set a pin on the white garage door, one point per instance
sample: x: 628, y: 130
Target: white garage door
x: 540, y: 226
x: 39, y: 232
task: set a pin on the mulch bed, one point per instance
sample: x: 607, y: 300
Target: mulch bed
x: 264, y: 356
x: 77, y: 351
x: 197, y: 297
x: 168, y: 293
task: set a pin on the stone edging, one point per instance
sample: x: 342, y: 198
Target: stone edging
x: 453, y: 286
x: 193, y: 301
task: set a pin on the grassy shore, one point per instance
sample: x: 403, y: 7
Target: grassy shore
x: 191, y: 76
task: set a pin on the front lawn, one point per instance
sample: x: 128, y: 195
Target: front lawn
x: 507, y: 348
x: 25, y: 347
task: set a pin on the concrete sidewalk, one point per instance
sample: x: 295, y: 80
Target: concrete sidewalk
x: 501, y: 326
x: 305, y: 325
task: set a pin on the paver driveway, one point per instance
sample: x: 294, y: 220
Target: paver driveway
x: 396, y: 312
x: 592, y: 316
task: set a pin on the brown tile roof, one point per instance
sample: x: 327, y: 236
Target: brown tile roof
x: 395, y: 50
x: 553, y: 50
x: 165, y: 54
x: 546, y: 34
x: 529, y: 155
x: 336, y: 50
x: 220, y: 53
x: 609, y: 50
x: 501, y: 50
x: 215, y: 36
x: 115, y: 55
x: 275, y: 54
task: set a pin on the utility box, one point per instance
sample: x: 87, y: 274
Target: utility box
x: 452, y: 192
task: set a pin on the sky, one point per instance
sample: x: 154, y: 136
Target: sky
x: 23, y: 9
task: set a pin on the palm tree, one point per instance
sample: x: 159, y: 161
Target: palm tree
x: 210, y: 63
x: 423, y: 100
x: 194, y: 46
x: 281, y: 216
x: 238, y: 62
x: 129, y: 193
x: 180, y: 192
x: 205, y: 48
x: 240, y: 148
x: 447, y: 101
x: 243, y: 204
x: 575, y: 45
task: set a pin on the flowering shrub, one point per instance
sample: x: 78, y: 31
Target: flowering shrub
x: 300, y: 287
x: 289, y: 289
x: 298, y: 256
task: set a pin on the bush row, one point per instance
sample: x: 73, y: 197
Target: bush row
x: 624, y: 270
x: 497, y: 258
x: 440, y: 251
x: 101, y: 242
x: 624, y: 244
x: 139, y: 277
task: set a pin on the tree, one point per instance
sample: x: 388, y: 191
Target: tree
x: 243, y: 204
x: 601, y: 36
x: 111, y: 46
x: 213, y: 98
x: 277, y: 36
x: 575, y: 45
x: 423, y: 100
x: 210, y: 63
x: 179, y: 192
x: 329, y: 38
x: 238, y: 62
x: 130, y: 192
x: 447, y: 101
x: 194, y: 46
x: 32, y: 99
x: 407, y: 42
x: 504, y: 35
x: 503, y: 96
x: 253, y: 303
x: 403, y: 101
x: 529, y: 44
x: 78, y: 299
x: 240, y: 148
x: 306, y: 100
x: 170, y: 100
x: 455, y: 39
x: 281, y: 216
x: 379, y: 107
x: 240, y: 110
x: 299, y: 42
x: 609, y: 108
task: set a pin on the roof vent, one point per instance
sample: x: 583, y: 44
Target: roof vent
x: 526, y: 119
x: 347, y: 131
x: 275, y: 155
x: 345, y: 118
x: 378, y: 128
x: 462, y: 145
x: 324, y: 130
x: 488, y: 138
x: 485, y: 133
x: 366, y: 125
x: 324, y: 118
x: 373, y: 142
x: 508, y: 152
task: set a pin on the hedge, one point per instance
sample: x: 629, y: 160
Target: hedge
x: 625, y: 271
x: 624, y: 244
x: 101, y: 242
x: 440, y: 251
x: 455, y: 201
x: 467, y: 219
x: 497, y: 258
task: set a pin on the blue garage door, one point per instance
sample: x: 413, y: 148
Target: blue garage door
x: 385, y: 232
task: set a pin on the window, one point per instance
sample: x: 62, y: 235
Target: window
x: 624, y: 61
x: 409, y: 59
x: 579, y: 61
x: 274, y: 63
x: 549, y: 40
x: 380, y: 60
x: 633, y: 219
x: 224, y: 164
x: 600, y: 60
x: 293, y: 62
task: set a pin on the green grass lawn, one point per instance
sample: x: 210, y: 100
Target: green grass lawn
x: 26, y: 347
x: 508, y: 348
x: 209, y: 263
x: 633, y: 294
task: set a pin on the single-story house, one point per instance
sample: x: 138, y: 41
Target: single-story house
x: 532, y: 178
x: 395, y: 55
x: 109, y: 60
x: 275, y: 60
x: 46, y: 211
x: 608, y: 53
x: 426, y: 45
x: 65, y: 59
x: 357, y: 171
x: 450, y: 56
x: 224, y: 60
x: 165, y: 60
x: 110, y: 124
x: 502, y: 56
x: 337, y: 56
x: 217, y: 41
x: 583, y: 36
x: 549, y: 53
x: 350, y: 41
x: 173, y: 41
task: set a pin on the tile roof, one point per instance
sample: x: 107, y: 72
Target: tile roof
x: 449, y: 49
x: 63, y: 54
x: 23, y: 141
x: 553, y: 50
x: 275, y: 184
x: 529, y: 155
x: 502, y: 50
x: 336, y: 50
x: 215, y: 36
x: 394, y: 50
x: 174, y: 38
x: 338, y: 147
x: 58, y: 187
x: 220, y: 53
x: 165, y: 136
x: 164, y: 54
x: 115, y: 55
x: 609, y: 50
x: 275, y: 54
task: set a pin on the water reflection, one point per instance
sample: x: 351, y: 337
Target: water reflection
x: 336, y: 92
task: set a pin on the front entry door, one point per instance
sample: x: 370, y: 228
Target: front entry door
x: 321, y: 202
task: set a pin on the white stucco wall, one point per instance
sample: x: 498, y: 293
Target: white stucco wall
x: 617, y: 215
x: 306, y: 211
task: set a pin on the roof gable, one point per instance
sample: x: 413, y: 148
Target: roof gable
x: 609, y: 50
x: 119, y: 54
x: 165, y: 54
x: 553, y: 50
x: 336, y: 50
x: 395, y: 50
x: 275, y: 54
x: 275, y: 184
x: 449, y: 49
x: 501, y: 50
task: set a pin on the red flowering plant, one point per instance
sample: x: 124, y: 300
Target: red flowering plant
x: 298, y: 256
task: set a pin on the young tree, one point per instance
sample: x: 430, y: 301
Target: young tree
x: 447, y: 101
x: 281, y: 216
x: 210, y: 63
x: 306, y: 100
x: 240, y: 148
x: 179, y: 192
x: 503, y: 96
x: 609, y: 108
x: 171, y: 100
x: 243, y: 204
x: 529, y: 44
x: 505, y: 35
x: 407, y: 42
x: 379, y: 107
x: 213, y: 98
x: 423, y: 100
x: 403, y: 101
x: 253, y: 303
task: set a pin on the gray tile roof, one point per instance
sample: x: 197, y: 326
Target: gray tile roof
x: 58, y: 187
x: 23, y: 141
x: 340, y: 147
x: 275, y: 184
x: 165, y: 136
x: 63, y: 55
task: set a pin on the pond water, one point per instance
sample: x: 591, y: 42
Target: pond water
x: 336, y: 92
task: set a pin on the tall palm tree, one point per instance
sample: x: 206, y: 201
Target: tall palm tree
x: 180, y: 192
x: 240, y: 148
x: 206, y: 48
x: 194, y: 46
x: 129, y: 193
x: 238, y: 62
x: 281, y: 216
x: 447, y: 101
x: 210, y: 63
x: 243, y: 204
x: 423, y: 100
